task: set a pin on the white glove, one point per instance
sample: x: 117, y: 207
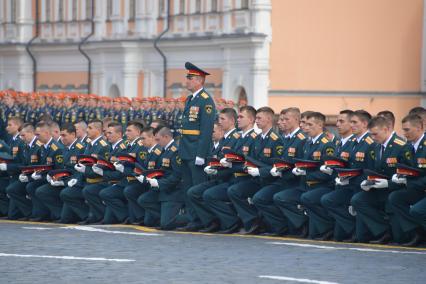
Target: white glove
x: 254, y: 172
x: 225, y: 163
x: 298, y: 172
x: 275, y: 173
x: 57, y: 183
x: 97, y: 170
x: 327, y: 170
x: 365, y: 186
x: 381, y: 183
x: 399, y: 180
x: 199, y: 161
x: 72, y: 182
x: 341, y: 182
x: 208, y: 170
x: 3, y: 167
x: 80, y: 168
x: 48, y: 178
x: 36, y: 176
x: 140, y: 178
x: 153, y: 182
x: 119, y: 167
x: 23, y: 178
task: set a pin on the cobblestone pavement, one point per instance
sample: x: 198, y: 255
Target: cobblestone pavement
x: 48, y: 253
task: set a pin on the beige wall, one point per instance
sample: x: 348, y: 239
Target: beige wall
x: 332, y: 105
x: 61, y: 78
x: 350, y: 45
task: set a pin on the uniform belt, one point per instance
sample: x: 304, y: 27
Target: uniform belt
x: 312, y: 182
x: 190, y: 132
x: 93, y: 180
x: 240, y: 174
x: 131, y: 178
x: 113, y: 181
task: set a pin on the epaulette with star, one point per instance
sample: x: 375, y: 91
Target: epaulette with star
x: 301, y: 136
x: 324, y: 140
x: 54, y: 147
x: 79, y: 146
x: 103, y: 142
x: 274, y: 136
x: 122, y: 146
x: 369, y: 140
x: 253, y: 135
x: 173, y: 148
x: 157, y: 152
x: 236, y: 135
x: 399, y: 142
x: 204, y: 95
x: 38, y: 143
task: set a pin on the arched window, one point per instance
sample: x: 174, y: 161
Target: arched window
x: 198, y: 6
x: 89, y: 9
x: 61, y: 10
x: 132, y: 10
x: 214, y: 5
x: 13, y: 10
x: 182, y: 7
x: 109, y: 9
x: 74, y: 10
x: 244, y: 4
x: 48, y: 10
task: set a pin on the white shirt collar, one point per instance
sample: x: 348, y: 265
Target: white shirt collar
x: 416, y: 145
x: 265, y: 134
x: 358, y: 139
x: 387, y: 141
x: 133, y: 142
x: 15, y: 137
x: 152, y: 148
x: 196, y: 93
x: 314, y: 140
x: 293, y: 133
x: 47, y: 144
x: 95, y: 140
x: 69, y: 147
x: 116, y: 143
x: 216, y: 144
x: 32, y: 141
x: 168, y: 145
x: 247, y: 132
x: 228, y: 133
x: 344, y: 140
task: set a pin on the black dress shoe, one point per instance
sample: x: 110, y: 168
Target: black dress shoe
x: 384, y: 239
x: 23, y: 219
x: 233, y: 229
x: 38, y: 219
x: 303, y: 231
x: 326, y: 236
x: 214, y: 227
x: 415, y: 241
x: 85, y: 222
x: 189, y: 228
x: 126, y: 221
x: 352, y: 239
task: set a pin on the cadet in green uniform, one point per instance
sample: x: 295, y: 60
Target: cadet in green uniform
x: 337, y: 202
x: 316, y: 149
x: 267, y: 146
x: 51, y: 154
x: 197, y: 126
x: 97, y: 210
x: 4, y: 178
x: 49, y: 194
x: 11, y: 169
x: 370, y: 203
x: 404, y: 223
x: 165, y: 197
x: 32, y: 156
x: 216, y: 197
x: 294, y: 140
x: 72, y: 195
x: 148, y: 156
x: 227, y: 121
x: 113, y: 196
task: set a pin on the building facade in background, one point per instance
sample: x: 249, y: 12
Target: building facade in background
x: 321, y: 55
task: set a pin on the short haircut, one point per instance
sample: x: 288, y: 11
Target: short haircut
x: 137, y: 124
x: 17, y: 120
x: 378, y: 121
x: 97, y: 124
x: 117, y: 126
x: 54, y: 124
x: 363, y: 115
x: 251, y: 111
x: 163, y: 131
x: 305, y: 114
x: 230, y: 113
x: 348, y: 112
x: 81, y: 123
x: 161, y: 122
x: 414, y: 119
x: 293, y: 110
x: 267, y: 110
x: 68, y: 127
x: 27, y: 127
x: 317, y: 116
x: 418, y: 110
x: 390, y: 117
x: 43, y: 124
x: 148, y: 129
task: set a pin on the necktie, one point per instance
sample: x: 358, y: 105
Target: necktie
x: 382, y: 151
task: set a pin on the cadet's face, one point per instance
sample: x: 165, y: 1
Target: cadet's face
x: 43, y: 134
x: 343, y: 124
x: 303, y: 124
x: 193, y: 83
x: 92, y: 132
x: 412, y: 132
x: 79, y: 131
x: 26, y: 136
x: 263, y: 120
x: 12, y: 128
x: 217, y: 132
x: 281, y: 123
x: 132, y: 133
x: 380, y: 134
x: 148, y: 140
x: 244, y: 120
x: 67, y: 138
x: 290, y: 121
x: 112, y: 135
x: 225, y: 122
x: 356, y: 125
x: 161, y: 140
x: 313, y: 127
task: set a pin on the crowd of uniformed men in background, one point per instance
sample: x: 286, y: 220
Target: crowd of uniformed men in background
x: 195, y: 164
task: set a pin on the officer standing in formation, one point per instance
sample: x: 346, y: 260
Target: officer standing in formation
x: 366, y: 184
